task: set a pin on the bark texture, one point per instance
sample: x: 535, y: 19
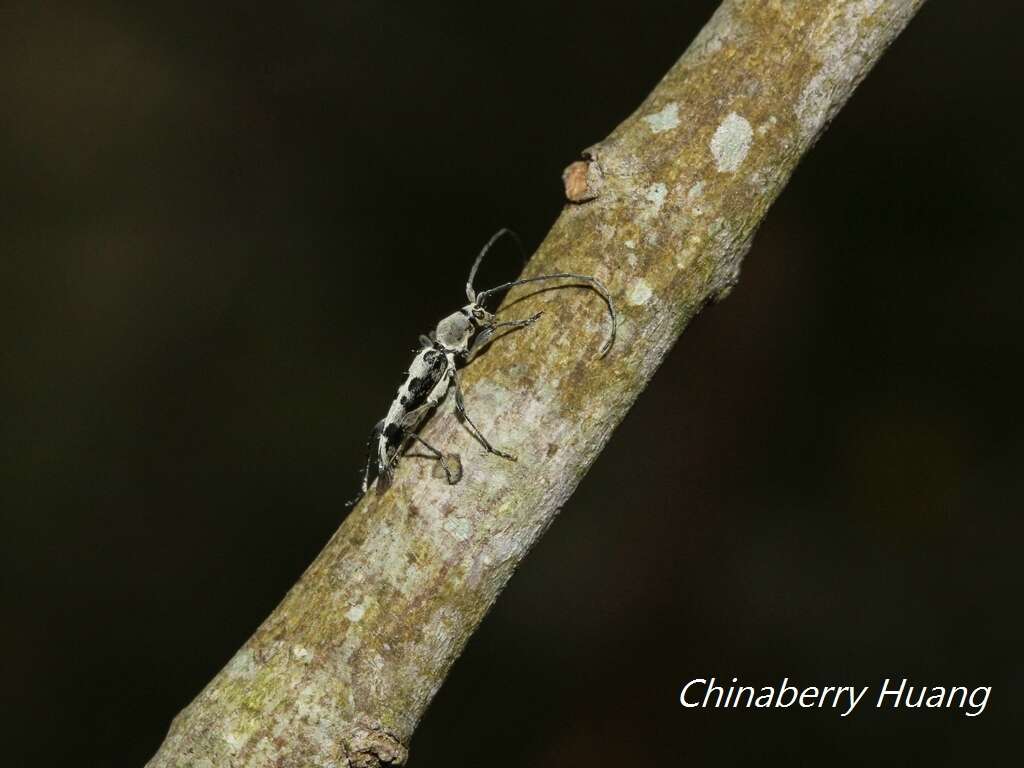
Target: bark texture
x: 341, y: 672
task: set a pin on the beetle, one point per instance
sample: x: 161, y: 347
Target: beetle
x: 457, y: 339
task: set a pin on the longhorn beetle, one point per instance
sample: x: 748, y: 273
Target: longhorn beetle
x: 457, y: 339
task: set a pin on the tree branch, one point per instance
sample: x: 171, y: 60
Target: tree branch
x: 342, y: 671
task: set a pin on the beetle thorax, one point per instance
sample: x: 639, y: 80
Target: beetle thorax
x: 454, y: 332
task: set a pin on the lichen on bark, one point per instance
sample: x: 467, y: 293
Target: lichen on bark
x: 342, y: 671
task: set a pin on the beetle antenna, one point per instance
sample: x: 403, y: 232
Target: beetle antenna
x: 470, y: 293
x: 593, y: 282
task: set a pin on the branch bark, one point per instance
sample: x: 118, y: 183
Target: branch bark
x: 342, y: 671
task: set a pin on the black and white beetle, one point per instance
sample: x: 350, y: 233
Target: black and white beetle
x: 457, y: 339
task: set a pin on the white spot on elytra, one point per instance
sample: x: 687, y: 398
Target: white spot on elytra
x: 731, y: 142
x: 301, y: 653
x: 631, y: 244
x: 665, y: 120
x: 639, y: 293
x: 355, y: 613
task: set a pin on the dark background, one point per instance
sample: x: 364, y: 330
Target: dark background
x: 224, y: 227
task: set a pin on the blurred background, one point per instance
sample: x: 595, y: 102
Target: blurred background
x: 223, y: 227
